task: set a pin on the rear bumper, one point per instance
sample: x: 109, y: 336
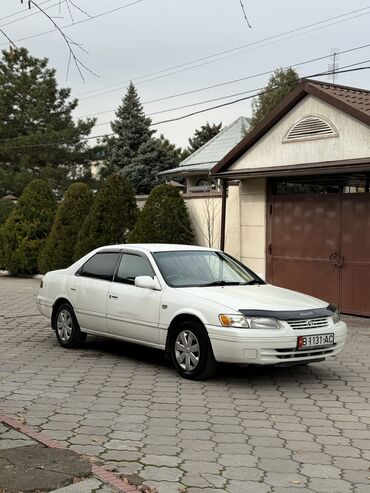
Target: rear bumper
x: 44, y: 307
x: 264, y: 347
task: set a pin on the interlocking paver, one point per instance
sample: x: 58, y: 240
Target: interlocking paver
x: 257, y: 430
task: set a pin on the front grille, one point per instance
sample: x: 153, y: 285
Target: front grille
x: 312, y: 323
x: 307, y: 353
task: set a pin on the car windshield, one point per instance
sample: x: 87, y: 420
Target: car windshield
x: 203, y: 268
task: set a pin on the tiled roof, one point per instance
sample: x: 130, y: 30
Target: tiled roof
x: 357, y: 98
x: 204, y: 158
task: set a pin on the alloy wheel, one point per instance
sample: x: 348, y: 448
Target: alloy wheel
x: 187, y: 350
x: 64, y: 325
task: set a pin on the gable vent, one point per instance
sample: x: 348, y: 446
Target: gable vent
x: 310, y: 128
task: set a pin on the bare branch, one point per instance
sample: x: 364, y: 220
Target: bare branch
x: 245, y: 14
x: 69, y: 42
x: 7, y: 37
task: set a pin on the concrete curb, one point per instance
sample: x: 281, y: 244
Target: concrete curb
x: 98, y: 471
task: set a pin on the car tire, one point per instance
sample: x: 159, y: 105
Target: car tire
x: 67, y: 328
x: 191, y: 351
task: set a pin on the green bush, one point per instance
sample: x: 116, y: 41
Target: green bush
x: 164, y: 219
x: 6, y: 207
x: 58, y: 252
x: 111, y: 217
x: 26, y: 229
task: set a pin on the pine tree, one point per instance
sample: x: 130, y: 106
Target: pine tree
x: 202, y: 136
x: 58, y: 252
x: 164, y: 219
x: 111, y: 217
x: 34, y: 114
x: 154, y: 156
x: 131, y: 128
x: 281, y: 84
x: 26, y: 229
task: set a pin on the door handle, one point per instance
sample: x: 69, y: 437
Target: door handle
x: 341, y: 260
x: 334, y: 258
x: 73, y: 289
x: 113, y: 297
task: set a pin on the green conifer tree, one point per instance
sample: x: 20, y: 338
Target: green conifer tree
x: 58, y: 252
x: 164, y: 219
x: 26, y: 229
x: 111, y: 217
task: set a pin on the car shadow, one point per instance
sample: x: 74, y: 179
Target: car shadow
x: 238, y: 374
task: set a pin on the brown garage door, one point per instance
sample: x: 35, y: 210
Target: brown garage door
x: 319, y: 244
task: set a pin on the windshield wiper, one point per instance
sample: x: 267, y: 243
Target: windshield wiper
x: 252, y: 282
x: 220, y: 283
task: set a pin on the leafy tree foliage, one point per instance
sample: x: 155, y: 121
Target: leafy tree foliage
x: 203, y: 135
x: 6, y: 207
x: 154, y: 156
x: 25, y: 231
x: 111, y: 217
x: 281, y: 84
x: 58, y: 252
x: 38, y: 134
x: 164, y: 219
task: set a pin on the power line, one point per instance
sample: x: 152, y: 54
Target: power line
x: 241, y: 79
x: 20, y: 11
x: 182, y: 117
x: 33, y: 13
x: 226, y: 52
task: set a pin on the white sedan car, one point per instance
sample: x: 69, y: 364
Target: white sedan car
x: 199, y: 305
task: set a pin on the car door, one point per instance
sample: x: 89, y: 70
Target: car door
x: 133, y: 312
x: 89, y: 289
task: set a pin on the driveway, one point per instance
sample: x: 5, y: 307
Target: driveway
x: 257, y: 430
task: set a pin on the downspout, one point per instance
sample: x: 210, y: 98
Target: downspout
x: 223, y: 215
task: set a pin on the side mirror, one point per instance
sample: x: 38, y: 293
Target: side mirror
x: 147, y: 282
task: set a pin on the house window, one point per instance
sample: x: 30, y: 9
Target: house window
x: 310, y: 127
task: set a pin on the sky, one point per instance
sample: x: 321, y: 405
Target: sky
x: 170, y: 47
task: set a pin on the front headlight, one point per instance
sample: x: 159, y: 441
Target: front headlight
x: 250, y: 323
x: 336, y: 316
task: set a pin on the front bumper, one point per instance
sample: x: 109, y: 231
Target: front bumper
x: 269, y: 347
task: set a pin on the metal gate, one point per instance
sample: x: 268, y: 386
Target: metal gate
x: 319, y: 244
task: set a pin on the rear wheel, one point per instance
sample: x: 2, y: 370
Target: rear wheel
x: 66, y: 327
x: 191, y: 351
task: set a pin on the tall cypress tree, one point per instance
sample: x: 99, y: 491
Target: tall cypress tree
x: 164, y: 219
x: 25, y: 231
x: 58, y: 252
x: 111, y: 217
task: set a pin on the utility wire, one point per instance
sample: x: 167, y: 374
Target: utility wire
x: 241, y: 79
x: 33, y: 13
x: 229, y: 51
x: 79, y: 22
x: 21, y: 11
x: 182, y: 117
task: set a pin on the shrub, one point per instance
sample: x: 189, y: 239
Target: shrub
x: 6, y: 207
x: 26, y: 229
x: 111, y: 217
x: 164, y: 219
x: 58, y: 252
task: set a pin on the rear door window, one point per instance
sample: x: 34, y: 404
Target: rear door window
x: 100, y: 266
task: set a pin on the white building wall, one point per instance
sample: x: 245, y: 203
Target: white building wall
x: 353, y: 141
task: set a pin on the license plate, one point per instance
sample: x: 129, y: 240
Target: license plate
x: 306, y: 342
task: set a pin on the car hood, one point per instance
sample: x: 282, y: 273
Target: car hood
x: 257, y: 297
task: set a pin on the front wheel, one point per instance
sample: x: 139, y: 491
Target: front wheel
x: 67, y: 329
x: 191, y: 351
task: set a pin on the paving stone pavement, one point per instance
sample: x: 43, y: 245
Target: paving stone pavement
x: 249, y: 430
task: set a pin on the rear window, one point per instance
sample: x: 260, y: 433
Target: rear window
x: 100, y: 266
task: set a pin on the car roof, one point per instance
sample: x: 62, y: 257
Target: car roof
x: 155, y: 247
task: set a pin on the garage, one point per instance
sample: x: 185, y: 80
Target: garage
x: 304, y: 195
x: 319, y: 239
